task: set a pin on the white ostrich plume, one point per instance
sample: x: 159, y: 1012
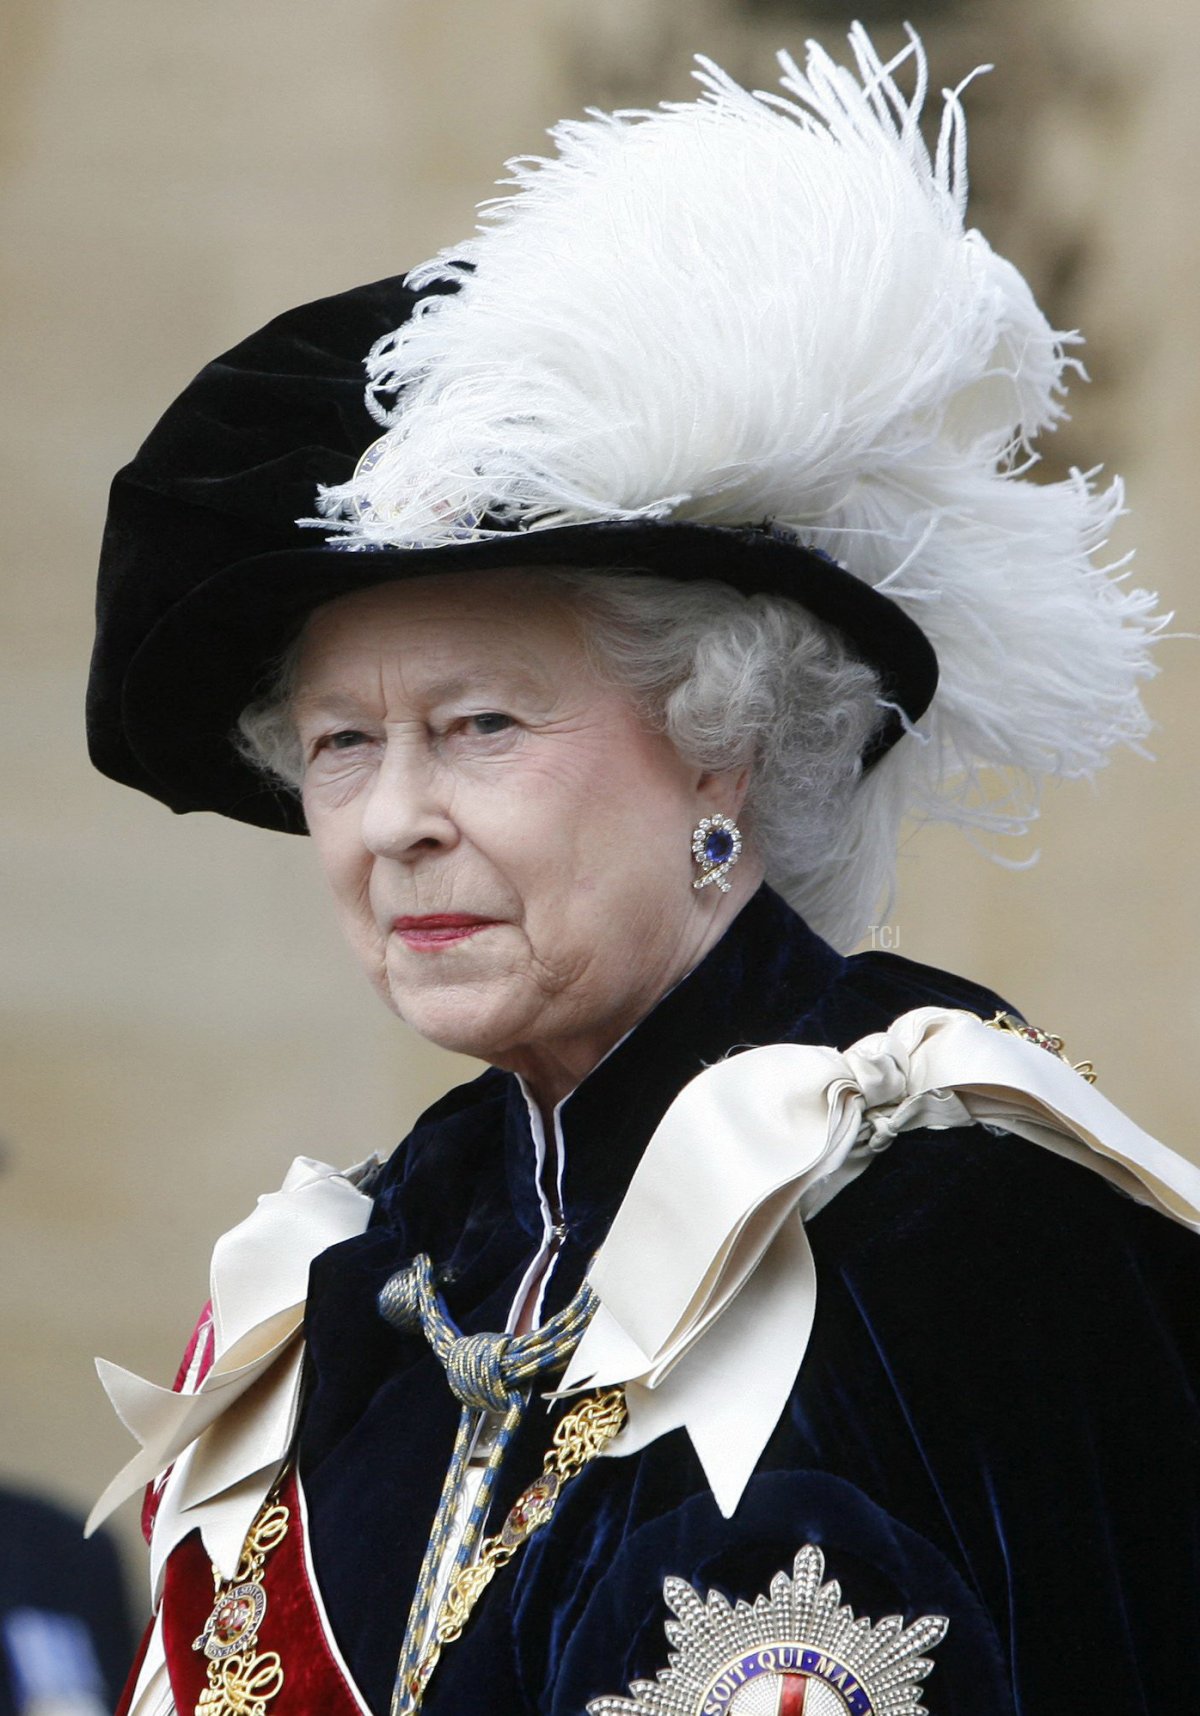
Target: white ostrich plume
x: 762, y: 307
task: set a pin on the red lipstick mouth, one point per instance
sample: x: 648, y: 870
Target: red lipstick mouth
x: 436, y: 929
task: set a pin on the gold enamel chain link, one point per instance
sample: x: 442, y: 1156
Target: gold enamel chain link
x: 582, y: 1434
x: 243, y: 1681
x: 1047, y: 1040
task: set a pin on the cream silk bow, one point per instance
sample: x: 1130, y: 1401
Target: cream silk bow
x: 227, y: 1441
x: 706, y: 1277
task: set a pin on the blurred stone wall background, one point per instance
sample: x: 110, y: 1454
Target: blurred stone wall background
x: 179, y: 1018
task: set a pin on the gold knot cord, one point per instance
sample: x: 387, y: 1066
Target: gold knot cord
x: 582, y: 1434
x: 486, y: 1373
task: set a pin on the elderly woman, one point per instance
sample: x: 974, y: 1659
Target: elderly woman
x: 755, y: 1282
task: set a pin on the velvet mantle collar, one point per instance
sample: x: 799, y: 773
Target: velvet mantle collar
x: 378, y: 1421
x: 769, y: 979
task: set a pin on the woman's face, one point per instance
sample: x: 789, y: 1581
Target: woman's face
x: 509, y: 849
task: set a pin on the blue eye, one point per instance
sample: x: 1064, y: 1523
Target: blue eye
x: 491, y: 722
x: 348, y: 739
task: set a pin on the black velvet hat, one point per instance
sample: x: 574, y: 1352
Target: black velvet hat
x: 205, y: 575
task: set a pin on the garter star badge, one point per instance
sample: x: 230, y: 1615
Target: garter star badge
x: 797, y: 1652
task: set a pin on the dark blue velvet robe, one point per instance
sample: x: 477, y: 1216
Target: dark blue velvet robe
x: 996, y: 1419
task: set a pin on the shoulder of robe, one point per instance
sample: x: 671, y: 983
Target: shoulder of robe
x: 969, y: 1234
x: 875, y: 988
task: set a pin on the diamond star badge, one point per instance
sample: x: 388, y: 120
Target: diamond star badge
x: 797, y: 1652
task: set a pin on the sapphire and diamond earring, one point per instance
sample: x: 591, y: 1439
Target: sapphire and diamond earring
x: 716, y: 847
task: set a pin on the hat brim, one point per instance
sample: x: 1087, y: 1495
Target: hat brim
x: 205, y: 658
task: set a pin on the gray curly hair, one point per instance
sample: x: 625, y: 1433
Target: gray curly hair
x: 733, y: 680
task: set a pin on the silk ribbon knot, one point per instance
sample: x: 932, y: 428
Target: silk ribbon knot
x: 226, y: 1441
x: 706, y: 1284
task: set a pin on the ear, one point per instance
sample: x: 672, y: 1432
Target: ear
x: 724, y: 789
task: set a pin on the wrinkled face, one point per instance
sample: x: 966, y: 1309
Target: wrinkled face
x: 508, y: 847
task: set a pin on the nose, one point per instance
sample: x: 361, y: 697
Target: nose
x: 406, y: 813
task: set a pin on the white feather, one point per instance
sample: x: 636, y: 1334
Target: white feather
x: 761, y: 307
